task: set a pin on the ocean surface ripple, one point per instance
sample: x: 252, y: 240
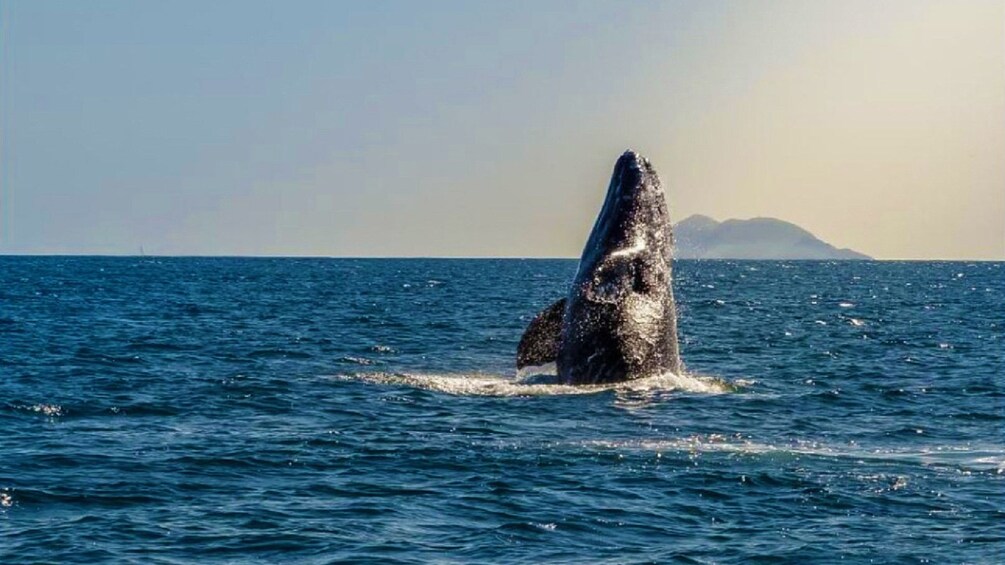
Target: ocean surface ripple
x: 178, y: 410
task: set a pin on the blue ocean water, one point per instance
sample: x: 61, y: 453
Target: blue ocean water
x: 177, y: 410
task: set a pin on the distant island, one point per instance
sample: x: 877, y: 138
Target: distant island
x: 702, y: 237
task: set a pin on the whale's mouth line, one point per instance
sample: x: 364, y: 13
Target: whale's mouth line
x: 637, y: 247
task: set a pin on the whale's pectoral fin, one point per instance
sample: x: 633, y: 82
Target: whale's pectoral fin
x: 539, y: 344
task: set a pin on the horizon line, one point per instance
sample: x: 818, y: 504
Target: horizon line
x: 462, y: 257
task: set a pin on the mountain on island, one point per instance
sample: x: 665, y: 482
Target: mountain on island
x: 701, y: 237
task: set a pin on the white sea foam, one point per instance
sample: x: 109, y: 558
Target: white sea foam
x: 482, y: 384
x: 965, y: 457
x: 51, y: 410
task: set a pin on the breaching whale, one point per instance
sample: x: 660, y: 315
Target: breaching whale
x: 618, y: 321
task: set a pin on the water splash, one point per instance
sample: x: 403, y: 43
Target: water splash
x: 483, y: 384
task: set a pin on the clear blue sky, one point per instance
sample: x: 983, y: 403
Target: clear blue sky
x: 489, y: 128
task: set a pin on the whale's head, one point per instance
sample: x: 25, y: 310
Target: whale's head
x: 629, y: 249
x: 620, y: 318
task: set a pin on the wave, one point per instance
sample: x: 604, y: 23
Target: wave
x: 485, y: 384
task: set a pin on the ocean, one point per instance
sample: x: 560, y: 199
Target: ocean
x: 233, y: 410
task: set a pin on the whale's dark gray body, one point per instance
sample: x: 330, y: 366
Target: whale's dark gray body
x: 618, y: 321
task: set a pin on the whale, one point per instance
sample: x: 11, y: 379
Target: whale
x: 618, y: 320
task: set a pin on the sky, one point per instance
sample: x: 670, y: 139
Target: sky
x: 490, y: 128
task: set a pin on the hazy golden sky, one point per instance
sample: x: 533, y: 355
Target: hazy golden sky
x: 454, y: 129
